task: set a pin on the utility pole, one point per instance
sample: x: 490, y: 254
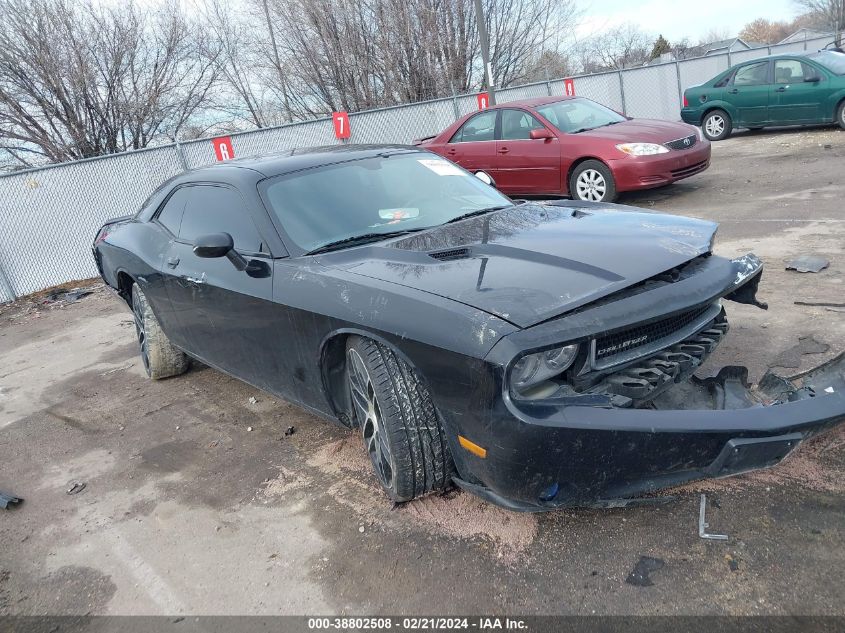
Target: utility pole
x: 282, y: 82
x: 485, y: 51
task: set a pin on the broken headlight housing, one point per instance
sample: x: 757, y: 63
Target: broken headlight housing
x: 531, y: 372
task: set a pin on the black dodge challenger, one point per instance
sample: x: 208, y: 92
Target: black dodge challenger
x: 537, y: 354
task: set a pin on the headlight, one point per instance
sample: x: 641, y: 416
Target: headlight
x: 641, y: 149
x: 532, y: 369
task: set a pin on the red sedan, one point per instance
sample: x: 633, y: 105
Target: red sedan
x: 571, y: 146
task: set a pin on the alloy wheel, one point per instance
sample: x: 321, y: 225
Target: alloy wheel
x: 138, y: 312
x: 715, y: 125
x: 591, y: 185
x: 368, y: 414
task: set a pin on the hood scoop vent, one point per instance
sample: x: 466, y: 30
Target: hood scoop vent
x: 449, y: 255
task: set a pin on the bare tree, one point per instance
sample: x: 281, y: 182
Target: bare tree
x: 617, y: 48
x: 828, y: 13
x: 79, y: 79
x: 765, y: 31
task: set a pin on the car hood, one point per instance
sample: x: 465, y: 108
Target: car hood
x: 641, y: 131
x: 532, y: 262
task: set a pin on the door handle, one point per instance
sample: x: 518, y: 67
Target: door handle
x: 451, y: 152
x: 733, y: 92
x: 172, y: 262
x: 782, y: 89
x: 503, y: 150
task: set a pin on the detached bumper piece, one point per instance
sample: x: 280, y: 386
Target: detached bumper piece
x: 7, y: 500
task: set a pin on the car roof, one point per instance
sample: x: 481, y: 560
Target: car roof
x: 287, y: 161
x: 531, y: 103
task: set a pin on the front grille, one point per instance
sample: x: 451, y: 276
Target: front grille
x: 683, y: 143
x: 624, y: 341
x: 683, y: 172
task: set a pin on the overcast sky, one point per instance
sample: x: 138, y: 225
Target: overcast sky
x: 677, y: 19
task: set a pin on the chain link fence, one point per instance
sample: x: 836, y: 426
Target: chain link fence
x: 50, y: 215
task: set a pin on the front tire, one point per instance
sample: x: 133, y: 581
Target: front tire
x: 394, y: 411
x: 593, y: 182
x: 717, y: 125
x: 840, y: 115
x: 161, y: 359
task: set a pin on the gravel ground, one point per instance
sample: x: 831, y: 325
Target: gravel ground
x: 187, y: 511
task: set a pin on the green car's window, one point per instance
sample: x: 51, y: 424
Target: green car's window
x: 790, y: 71
x: 833, y: 61
x: 752, y: 75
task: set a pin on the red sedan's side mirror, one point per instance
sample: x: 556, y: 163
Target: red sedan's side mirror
x: 541, y: 134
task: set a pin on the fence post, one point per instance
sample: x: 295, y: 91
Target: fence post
x: 622, y: 91
x: 548, y: 83
x: 729, y: 58
x: 680, y: 88
x: 182, y: 156
x: 7, y: 287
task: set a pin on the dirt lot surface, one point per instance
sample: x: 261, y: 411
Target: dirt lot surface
x: 187, y: 510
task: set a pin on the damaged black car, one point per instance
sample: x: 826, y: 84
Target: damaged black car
x: 537, y: 354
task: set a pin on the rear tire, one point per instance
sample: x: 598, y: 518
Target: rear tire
x: 592, y: 181
x: 394, y: 411
x: 717, y: 125
x: 840, y: 115
x: 161, y: 359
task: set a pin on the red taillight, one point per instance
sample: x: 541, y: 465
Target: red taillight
x: 686, y: 103
x: 103, y: 234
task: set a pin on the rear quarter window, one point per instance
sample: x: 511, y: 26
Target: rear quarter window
x: 170, y: 216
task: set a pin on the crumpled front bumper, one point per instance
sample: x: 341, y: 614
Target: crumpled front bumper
x: 550, y: 457
x: 556, y: 452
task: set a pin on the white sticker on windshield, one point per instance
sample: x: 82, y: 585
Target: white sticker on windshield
x: 442, y: 167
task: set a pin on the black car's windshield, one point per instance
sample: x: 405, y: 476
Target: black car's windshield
x: 578, y: 115
x: 385, y: 194
x: 833, y: 61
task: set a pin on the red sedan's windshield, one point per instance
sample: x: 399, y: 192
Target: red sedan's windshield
x: 578, y: 115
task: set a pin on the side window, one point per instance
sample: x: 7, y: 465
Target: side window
x: 752, y: 75
x: 481, y: 127
x: 517, y: 125
x: 789, y: 71
x: 724, y: 81
x: 171, y: 215
x: 212, y: 209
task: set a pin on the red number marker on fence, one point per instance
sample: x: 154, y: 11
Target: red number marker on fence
x: 223, y: 148
x: 341, y: 125
x: 569, y: 87
x: 483, y: 101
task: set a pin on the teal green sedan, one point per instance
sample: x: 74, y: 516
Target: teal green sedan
x: 791, y: 89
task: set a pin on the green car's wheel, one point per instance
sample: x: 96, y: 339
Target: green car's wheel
x: 717, y: 125
x: 840, y: 115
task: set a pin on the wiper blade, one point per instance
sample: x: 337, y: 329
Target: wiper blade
x: 595, y: 127
x: 480, y: 212
x: 360, y: 239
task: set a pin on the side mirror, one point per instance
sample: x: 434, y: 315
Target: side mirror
x: 486, y: 178
x: 219, y: 245
x: 541, y: 134
x: 812, y: 80
x: 213, y: 245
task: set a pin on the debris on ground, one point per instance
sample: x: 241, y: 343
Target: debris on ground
x: 290, y: 431
x: 249, y: 429
x: 820, y: 304
x: 808, y: 264
x: 791, y: 357
x: 6, y: 500
x: 703, y: 524
x: 76, y: 487
x: 67, y: 296
x: 639, y: 576
x: 253, y: 400
x: 733, y: 562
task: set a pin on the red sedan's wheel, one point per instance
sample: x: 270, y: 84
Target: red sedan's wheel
x: 593, y: 182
